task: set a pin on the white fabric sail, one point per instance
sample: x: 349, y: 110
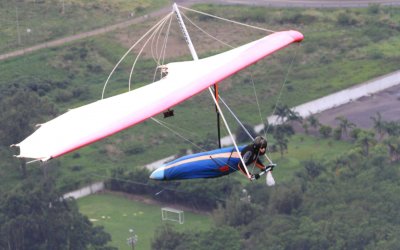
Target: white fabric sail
x: 87, y: 124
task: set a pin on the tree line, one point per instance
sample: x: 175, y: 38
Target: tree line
x: 33, y: 213
x: 350, y: 202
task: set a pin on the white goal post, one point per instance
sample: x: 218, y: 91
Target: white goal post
x: 172, y: 214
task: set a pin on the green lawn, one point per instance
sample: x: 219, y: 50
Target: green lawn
x: 118, y: 215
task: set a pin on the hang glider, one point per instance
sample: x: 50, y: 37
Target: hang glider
x: 210, y: 164
x: 87, y: 124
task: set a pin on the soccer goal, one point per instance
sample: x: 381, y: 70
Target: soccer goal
x: 172, y: 214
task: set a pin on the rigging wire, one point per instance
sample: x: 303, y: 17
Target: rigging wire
x: 257, y: 102
x: 236, y: 118
x: 162, y: 54
x: 227, y: 20
x: 141, y: 50
x: 178, y: 128
x: 282, y: 87
x: 130, y: 49
x: 156, y: 57
x: 205, y: 32
x: 163, y: 124
x: 176, y: 133
x: 164, y: 48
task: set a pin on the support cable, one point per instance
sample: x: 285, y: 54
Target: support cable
x: 130, y: 49
x: 227, y: 20
x: 141, y: 50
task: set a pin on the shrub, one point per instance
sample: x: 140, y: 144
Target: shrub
x: 346, y: 19
x: 325, y: 131
x: 63, y: 95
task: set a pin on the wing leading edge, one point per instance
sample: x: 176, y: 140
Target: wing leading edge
x: 92, y: 122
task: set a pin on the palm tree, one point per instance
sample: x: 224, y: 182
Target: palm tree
x: 313, y: 121
x: 344, y: 125
x: 282, y: 143
x: 365, y: 140
x: 393, y: 144
x: 325, y: 131
x: 378, y: 125
x: 281, y: 133
x: 305, y: 127
x: 294, y: 116
x: 391, y: 128
x: 281, y: 111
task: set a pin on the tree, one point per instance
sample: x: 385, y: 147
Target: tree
x: 378, y: 125
x: 281, y: 133
x: 294, y: 116
x: 35, y: 216
x: 305, y: 127
x: 241, y: 134
x: 224, y: 237
x: 325, y: 131
x: 354, y: 134
x: 337, y: 133
x: 393, y: 144
x: 220, y: 238
x: 365, y: 140
x: 281, y: 111
x: 344, y: 125
x: 236, y: 212
x: 285, y: 114
x: 313, y: 121
x: 286, y: 199
x: 392, y: 128
x: 282, y: 143
x: 166, y: 238
x: 19, y: 112
x: 313, y: 168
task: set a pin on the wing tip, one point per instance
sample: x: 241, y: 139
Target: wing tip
x: 158, y: 174
x: 296, y: 35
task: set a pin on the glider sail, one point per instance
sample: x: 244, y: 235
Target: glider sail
x: 87, y: 124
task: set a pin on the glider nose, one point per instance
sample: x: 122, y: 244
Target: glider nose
x: 157, y: 174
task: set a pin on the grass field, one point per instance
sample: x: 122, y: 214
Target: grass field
x: 25, y: 23
x: 118, y: 215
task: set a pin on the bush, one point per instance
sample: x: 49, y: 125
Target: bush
x: 325, y: 131
x: 63, y: 95
x: 373, y: 9
x: 134, y: 150
x: 287, y: 199
x: 346, y: 19
x: 76, y: 168
x: 337, y: 133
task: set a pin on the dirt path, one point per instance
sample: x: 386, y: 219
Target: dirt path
x: 65, y: 40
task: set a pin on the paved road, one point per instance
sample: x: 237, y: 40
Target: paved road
x: 360, y: 111
x: 165, y: 10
